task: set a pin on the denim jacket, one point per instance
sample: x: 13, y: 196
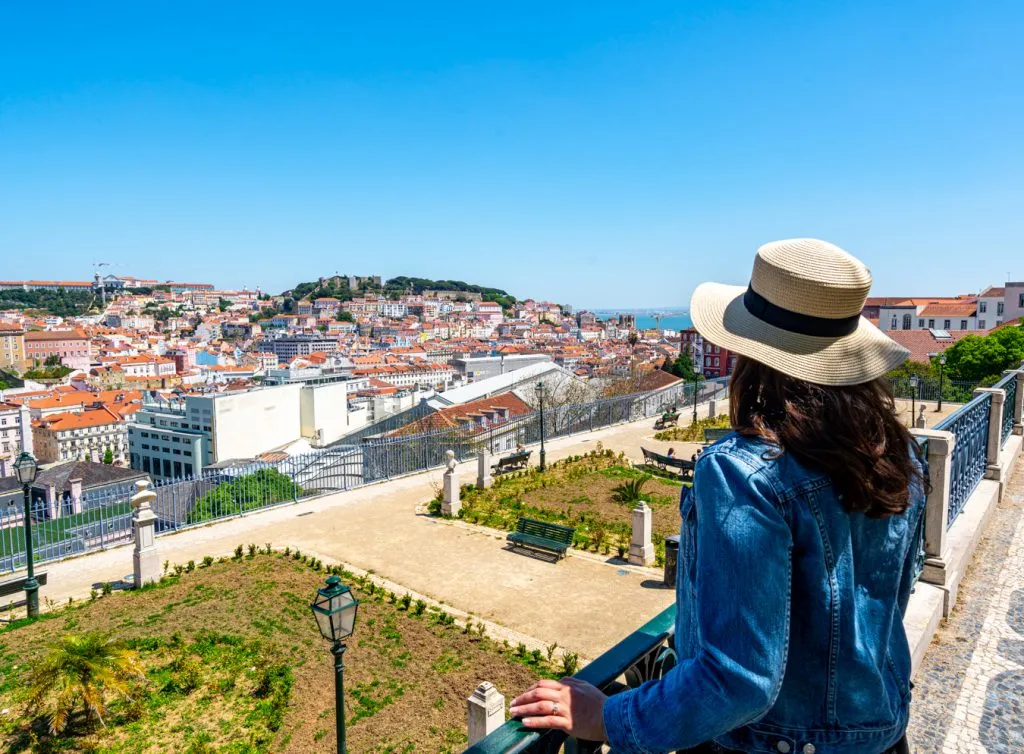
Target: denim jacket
x: 789, y: 626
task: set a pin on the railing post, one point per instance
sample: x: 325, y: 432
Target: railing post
x: 936, y: 512
x: 995, y: 428
x: 1018, y: 405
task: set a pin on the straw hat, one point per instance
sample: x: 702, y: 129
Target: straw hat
x: 800, y: 315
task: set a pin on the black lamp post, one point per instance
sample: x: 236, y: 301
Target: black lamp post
x: 25, y: 469
x: 696, y: 382
x: 942, y: 363
x: 335, y: 609
x: 914, y: 382
x: 540, y: 398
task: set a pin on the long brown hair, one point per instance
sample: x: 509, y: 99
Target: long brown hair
x: 850, y: 433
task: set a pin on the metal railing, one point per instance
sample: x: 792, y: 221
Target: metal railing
x: 919, y: 551
x: 1009, y: 384
x: 645, y: 655
x: 929, y: 388
x: 969, y: 425
x: 103, y: 518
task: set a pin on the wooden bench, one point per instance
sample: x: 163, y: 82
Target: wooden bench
x: 16, y: 586
x: 664, y: 462
x: 538, y: 535
x: 514, y: 461
x: 668, y: 419
x: 714, y: 434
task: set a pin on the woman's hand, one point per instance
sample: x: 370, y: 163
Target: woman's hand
x: 570, y: 705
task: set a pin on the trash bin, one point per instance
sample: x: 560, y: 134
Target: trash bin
x: 671, y: 559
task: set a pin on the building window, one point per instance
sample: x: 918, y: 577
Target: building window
x: 963, y: 324
x: 907, y: 322
x: 945, y: 324
x: 999, y: 308
x: 981, y: 324
x: 931, y: 324
x: 983, y: 306
x: 920, y: 323
x: 893, y: 325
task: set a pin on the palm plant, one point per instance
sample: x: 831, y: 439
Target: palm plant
x: 630, y: 491
x: 84, y: 670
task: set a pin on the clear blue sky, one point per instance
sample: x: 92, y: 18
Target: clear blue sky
x: 596, y: 153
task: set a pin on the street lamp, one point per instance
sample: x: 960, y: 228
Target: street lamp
x: 25, y: 469
x: 696, y: 382
x: 540, y: 398
x: 914, y: 382
x: 942, y: 363
x: 335, y: 609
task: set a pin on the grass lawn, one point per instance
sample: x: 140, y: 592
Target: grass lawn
x: 235, y: 663
x: 577, y: 491
x: 56, y: 530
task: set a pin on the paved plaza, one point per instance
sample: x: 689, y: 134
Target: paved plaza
x: 969, y: 694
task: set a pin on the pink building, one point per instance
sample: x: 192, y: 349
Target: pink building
x: 70, y: 346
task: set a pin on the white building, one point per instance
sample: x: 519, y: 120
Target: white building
x: 325, y: 411
x: 15, y: 435
x: 991, y: 308
x: 85, y: 436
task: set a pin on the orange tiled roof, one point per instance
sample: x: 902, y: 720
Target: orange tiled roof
x: 92, y: 418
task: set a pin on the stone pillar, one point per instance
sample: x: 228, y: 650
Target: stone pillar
x: 641, y: 549
x: 486, y: 712
x: 940, y: 456
x: 146, y: 558
x: 995, y: 429
x: 76, y: 495
x: 711, y: 408
x: 483, y: 470
x: 450, y: 506
x: 52, y: 504
x: 921, y: 422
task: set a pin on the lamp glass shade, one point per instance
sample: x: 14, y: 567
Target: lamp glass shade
x: 942, y: 359
x: 913, y: 382
x: 335, y: 610
x: 25, y: 468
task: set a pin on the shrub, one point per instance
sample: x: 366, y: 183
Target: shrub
x: 551, y: 651
x: 570, y: 663
x: 535, y: 657
x: 252, y: 551
x: 238, y: 552
x: 520, y: 650
x: 405, y: 601
x: 179, y: 569
x: 207, y: 561
x: 419, y: 607
x: 108, y: 588
x: 287, y: 551
x: 296, y: 555
x: 630, y: 491
x: 93, y: 594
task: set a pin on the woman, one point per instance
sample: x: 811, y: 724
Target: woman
x: 796, y: 556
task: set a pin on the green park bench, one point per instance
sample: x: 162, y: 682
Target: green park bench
x: 714, y: 434
x: 684, y: 467
x: 512, y: 462
x: 17, y: 586
x: 668, y: 419
x: 538, y: 535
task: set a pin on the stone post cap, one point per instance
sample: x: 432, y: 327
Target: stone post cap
x: 939, y: 440
x: 487, y: 694
x: 144, y: 496
x: 642, y: 506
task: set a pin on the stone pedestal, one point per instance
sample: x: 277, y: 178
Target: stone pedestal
x: 641, y: 550
x: 921, y: 422
x: 483, y: 470
x: 145, y: 558
x: 995, y: 429
x: 486, y: 712
x: 711, y: 409
x: 450, y: 505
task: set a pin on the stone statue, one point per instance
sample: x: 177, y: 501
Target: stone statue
x: 921, y: 422
x: 449, y: 462
x: 450, y: 505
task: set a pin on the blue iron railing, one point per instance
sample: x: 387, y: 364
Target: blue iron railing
x: 644, y: 655
x: 969, y: 425
x: 1009, y: 384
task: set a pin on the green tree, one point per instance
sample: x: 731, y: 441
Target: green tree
x: 984, y: 358
x: 223, y: 304
x: 344, y: 316
x: 82, y: 670
x: 249, y: 492
x: 52, y: 361
x: 108, y: 456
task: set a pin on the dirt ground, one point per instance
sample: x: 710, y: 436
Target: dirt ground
x: 406, y: 677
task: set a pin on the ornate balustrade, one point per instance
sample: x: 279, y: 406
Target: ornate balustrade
x: 644, y: 655
x: 969, y: 425
x: 1009, y: 384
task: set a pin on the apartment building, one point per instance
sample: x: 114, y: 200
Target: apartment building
x: 174, y: 439
x: 12, y: 348
x: 708, y: 359
x: 288, y: 347
x: 991, y: 307
x: 15, y: 435
x: 1013, y: 299
x: 84, y: 436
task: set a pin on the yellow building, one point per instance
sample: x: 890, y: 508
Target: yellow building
x: 12, y: 349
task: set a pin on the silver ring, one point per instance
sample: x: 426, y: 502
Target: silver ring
x: 554, y: 709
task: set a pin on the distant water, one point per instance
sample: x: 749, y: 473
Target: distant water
x: 644, y: 321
